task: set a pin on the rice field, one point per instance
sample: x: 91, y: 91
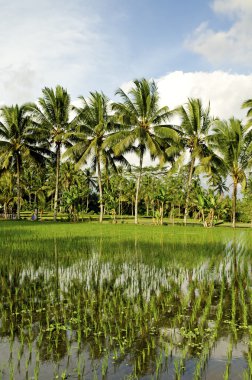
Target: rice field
x: 89, y: 301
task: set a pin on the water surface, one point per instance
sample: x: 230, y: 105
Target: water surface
x: 124, y: 302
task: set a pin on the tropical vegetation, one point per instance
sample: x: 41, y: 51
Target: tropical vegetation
x: 91, y: 158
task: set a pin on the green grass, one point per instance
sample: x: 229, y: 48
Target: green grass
x: 127, y: 219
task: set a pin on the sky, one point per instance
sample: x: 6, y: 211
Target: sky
x: 196, y: 48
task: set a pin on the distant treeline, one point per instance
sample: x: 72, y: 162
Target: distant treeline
x: 59, y: 157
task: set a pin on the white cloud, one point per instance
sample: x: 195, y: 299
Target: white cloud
x: 225, y: 91
x: 226, y: 47
x: 44, y: 43
x: 230, y: 6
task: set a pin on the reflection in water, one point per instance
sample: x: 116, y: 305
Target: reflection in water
x: 128, y: 313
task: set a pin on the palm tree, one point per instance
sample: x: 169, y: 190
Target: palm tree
x: 194, y: 130
x: 142, y: 126
x: 248, y: 104
x: 18, y: 143
x: 233, y: 145
x: 95, y: 125
x: 217, y: 179
x: 52, y: 116
x: 6, y: 190
x: 90, y: 183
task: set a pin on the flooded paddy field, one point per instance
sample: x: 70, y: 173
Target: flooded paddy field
x: 89, y: 301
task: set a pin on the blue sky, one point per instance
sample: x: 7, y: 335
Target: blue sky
x: 84, y: 45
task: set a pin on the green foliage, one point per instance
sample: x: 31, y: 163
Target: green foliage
x: 98, y: 134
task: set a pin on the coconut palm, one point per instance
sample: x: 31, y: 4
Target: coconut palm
x: 195, y: 125
x: 52, y: 116
x: 142, y: 125
x: 18, y: 143
x: 248, y: 104
x: 94, y: 126
x: 6, y: 191
x: 233, y: 145
x: 90, y: 183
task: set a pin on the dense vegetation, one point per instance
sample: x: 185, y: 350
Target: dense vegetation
x: 59, y: 157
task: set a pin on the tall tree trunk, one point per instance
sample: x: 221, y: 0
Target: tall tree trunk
x: 100, y: 189
x: 56, y: 196
x: 119, y: 204
x: 203, y: 218
x: 212, y: 212
x: 35, y: 201
x: 153, y: 209
x: 189, y: 184
x: 87, y: 204
x: 5, y: 210
x: 172, y: 214
x: 162, y: 213
x: 138, y: 187
x: 234, y: 203
x: 18, y: 188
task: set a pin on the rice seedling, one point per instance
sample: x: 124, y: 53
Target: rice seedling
x: 86, y: 300
x: 229, y: 359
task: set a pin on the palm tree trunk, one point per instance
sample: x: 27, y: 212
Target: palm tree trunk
x: 18, y: 189
x: 56, y: 196
x: 203, y: 218
x: 172, y: 213
x: 212, y: 217
x: 234, y: 203
x: 5, y: 210
x: 87, y: 204
x: 189, y: 184
x: 138, y: 187
x: 147, y: 208
x: 100, y: 190
x: 119, y: 204
x: 153, y: 209
x: 161, y: 213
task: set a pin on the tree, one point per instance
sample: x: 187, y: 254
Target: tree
x: 117, y: 191
x: 248, y: 104
x: 149, y: 186
x: 142, y: 126
x: 18, y: 143
x: 246, y: 202
x: 74, y: 188
x: 234, y: 147
x: 33, y: 184
x: 52, y: 119
x: 161, y: 197
x: 6, y: 191
x: 194, y: 130
x: 94, y: 126
x: 90, y: 183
